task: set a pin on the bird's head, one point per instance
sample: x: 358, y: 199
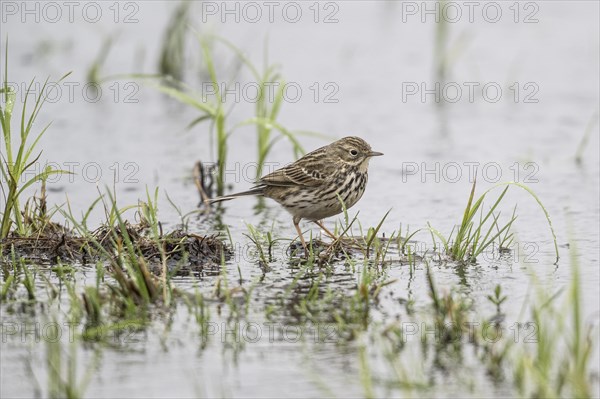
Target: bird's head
x: 354, y: 151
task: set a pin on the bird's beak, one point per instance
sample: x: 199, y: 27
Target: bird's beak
x: 374, y: 154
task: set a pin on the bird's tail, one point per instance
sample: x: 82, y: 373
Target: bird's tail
x: 254, y: 191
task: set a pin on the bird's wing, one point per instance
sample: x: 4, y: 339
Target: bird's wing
x: 300, y: 175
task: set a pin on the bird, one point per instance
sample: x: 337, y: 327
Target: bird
x: 314, y: 186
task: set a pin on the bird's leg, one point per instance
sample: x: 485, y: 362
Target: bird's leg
x: 330, y: 248
x: 329, y: 233
x: 296, y: 225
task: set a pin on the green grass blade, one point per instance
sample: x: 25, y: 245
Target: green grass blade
x: 539, y: 201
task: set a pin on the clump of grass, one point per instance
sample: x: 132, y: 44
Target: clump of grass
x: 267, y: 109
x: 213, y: 110
x: 467, y: 241
x: 403, y: 241
x: 558, y: 364
x: 444, y: 54
x: 181, y: 250
x: 36, y: 217
x: 172, y: 55
x: 123, y: 299
x: 372, y: 240
x: 261, y: 240
x: 93, y: 74
x: 129, y: 267
x: 16, y: 166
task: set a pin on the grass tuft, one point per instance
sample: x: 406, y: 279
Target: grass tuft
x: 15, y: 166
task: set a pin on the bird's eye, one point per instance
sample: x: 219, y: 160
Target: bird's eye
x: 353, y: 152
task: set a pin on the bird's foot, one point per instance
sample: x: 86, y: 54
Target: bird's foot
x: 329, y: 233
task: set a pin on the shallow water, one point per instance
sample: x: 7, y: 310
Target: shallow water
x: 367, y: 61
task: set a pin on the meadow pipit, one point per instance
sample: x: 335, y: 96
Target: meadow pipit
x: 311, y: 187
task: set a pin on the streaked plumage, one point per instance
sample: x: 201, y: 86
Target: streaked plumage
x: 309, y: 187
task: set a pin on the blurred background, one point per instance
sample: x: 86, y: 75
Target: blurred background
x: 427, y: 83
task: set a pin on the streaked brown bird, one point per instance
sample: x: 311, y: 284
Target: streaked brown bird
x: 311, y: 187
